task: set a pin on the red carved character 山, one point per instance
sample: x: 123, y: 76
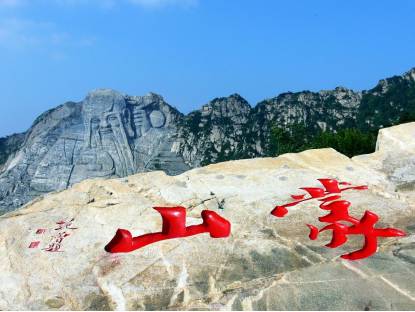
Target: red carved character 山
x: 174, y: 226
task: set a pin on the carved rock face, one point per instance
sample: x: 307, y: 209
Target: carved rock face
x: 106, y: 135
x: 105, y: 113
x: 157, y: 119
x: 108, y: 129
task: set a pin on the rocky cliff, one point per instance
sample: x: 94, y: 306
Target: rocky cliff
x: 216, y: 132
x: 106, y: 135
x: 114, y: 135
x: 9, y: 146
x: 267, y: 263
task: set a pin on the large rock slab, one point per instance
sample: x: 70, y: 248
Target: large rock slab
x: 266, y: 263
x: 394, y: 158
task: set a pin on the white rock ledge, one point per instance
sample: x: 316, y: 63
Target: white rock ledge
x: 266, y: 264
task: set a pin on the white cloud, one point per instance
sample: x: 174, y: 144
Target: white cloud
x: 163, y: 3
x: 21, y: 34
x: 10, y: 3
x: 101, y: 3
x: 20, y: 3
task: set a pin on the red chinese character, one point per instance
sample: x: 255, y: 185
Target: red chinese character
x: 56, y: 243
x: 34, y: 244
x: 65, y: 225
x: 331, y: 186
x: 53, y: 247
x: 174, y: 225
x: 40, y: 231
x: 339, y: 211
x: 364, y: 226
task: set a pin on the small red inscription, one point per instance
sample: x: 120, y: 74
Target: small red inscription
x: 65, y: 225
x: 62, y: 231
x: 34, y: 244
x: 56, y: 242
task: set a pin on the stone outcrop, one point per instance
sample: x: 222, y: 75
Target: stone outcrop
x: 106, y: 135
x: 215, y: 132
x: 8, y: 148
x: 267, y: 263
x: 114, y: 135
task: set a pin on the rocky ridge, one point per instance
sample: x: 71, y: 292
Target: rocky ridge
x: 110, y: 134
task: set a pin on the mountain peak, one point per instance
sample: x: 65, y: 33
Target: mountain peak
x: 104, y: 92
x: 410, y: 73
x: 237, y: 96
x: 103, y: 100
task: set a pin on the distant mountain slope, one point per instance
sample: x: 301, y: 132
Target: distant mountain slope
x: 110, y: 134
x: 227, y: 128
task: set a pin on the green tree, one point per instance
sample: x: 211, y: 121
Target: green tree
x: 350, y: 142
x: 296, y: 138
x: 292, y: 139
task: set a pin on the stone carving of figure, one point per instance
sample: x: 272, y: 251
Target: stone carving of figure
x: 141, y: 120
x: 108, y: 129
x: 106, y: 135
x: 117, y: 139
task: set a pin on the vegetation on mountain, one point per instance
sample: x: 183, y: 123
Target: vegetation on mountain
x: 349, y: 141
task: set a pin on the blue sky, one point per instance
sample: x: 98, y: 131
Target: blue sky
x: 191, y: 51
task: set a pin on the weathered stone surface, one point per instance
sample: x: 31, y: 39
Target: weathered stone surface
x: 267, y: 263
x: 106, y: 135
x: 394, y: 158
x: 8, y: 148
